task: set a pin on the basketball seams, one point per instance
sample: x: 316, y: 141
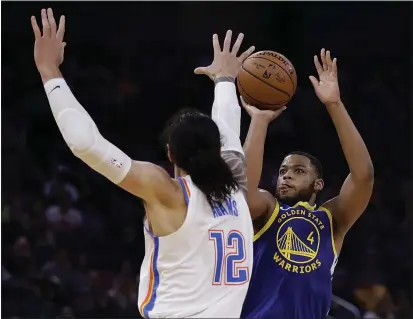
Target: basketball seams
x: 280, y: 65
x: 252, y: 99
x: 261, y: 80
x: 249, y: 96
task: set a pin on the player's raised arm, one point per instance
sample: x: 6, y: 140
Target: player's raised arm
x: 356, y: 191
x: 259, y: 201
x: 226, y: 111
x: 80, y: 132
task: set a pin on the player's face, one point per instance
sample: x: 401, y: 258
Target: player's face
x: 297, y: 180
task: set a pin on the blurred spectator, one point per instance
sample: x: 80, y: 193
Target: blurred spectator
x: 63, y: 216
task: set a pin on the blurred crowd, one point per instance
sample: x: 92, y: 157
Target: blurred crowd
x: 72, y: 243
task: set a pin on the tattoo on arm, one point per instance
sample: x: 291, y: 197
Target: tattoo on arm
x: 236, y: 163
x: 224, y: 79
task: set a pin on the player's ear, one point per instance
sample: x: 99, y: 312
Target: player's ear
x: 318, y: 185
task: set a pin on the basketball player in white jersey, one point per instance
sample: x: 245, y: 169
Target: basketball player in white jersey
x: 198, y: 230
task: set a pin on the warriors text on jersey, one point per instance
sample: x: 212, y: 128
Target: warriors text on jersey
x: 203, y: 269
x: 294, y: 259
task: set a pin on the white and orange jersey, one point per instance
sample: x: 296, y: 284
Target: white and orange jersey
x: 203, y: 269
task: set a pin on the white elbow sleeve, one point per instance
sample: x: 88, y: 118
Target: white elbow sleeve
x: 84, y: 139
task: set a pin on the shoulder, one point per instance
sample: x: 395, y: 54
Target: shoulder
x: 262, y: 204
x: 153, y: 184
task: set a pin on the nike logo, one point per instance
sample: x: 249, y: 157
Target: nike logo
x: 56, y: 87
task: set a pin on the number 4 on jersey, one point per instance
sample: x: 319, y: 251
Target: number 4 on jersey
x: 310, y: 237
x: 226, y: 263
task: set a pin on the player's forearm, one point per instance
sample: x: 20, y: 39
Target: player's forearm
x: 354, y: 148
x: 49, y: 73
x: 226, y: 113
x: 55, y: 83
x: 80, y: 132
x: 254, y: 151
x: 226, y: 106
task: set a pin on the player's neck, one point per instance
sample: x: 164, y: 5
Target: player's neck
x: 294, y: 201
x: 311, y: 202
x: 179, y: 172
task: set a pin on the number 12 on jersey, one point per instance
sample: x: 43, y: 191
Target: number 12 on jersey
x: 229, y: 253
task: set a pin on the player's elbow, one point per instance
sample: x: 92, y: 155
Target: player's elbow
x: 78, y: 132
x: 368, y: 174
x: 365, y: 177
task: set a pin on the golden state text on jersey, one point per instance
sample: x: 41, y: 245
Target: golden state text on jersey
x: 294, y: 260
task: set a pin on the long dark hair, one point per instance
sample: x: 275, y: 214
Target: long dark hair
x: 194, y: 144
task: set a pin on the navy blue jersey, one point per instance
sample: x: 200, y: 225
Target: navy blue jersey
x: 294, y: 260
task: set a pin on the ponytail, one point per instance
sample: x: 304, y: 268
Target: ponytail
x: 212, y: 175
x: 194, y: 144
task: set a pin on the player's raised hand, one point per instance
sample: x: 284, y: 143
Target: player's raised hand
x: 326, y: 87
x: 226, y: 62
x: 265, y: 115
x: 49, y: 45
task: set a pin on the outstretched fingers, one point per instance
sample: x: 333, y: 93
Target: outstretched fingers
x: 62, y: 27
x: 52, y: 22
x: 201, y: 70
x: 215, y: 44
x: 45, y: 24
x: 49, y: 25
x: 237, y: 44
x: 35, y: 27
x: 318, y: 66
x: 323, y: 59
x: 314, y: 82
x: 334, y: 67
x: 329, y: 61
x: 246, y: 54
x: 227, y: 42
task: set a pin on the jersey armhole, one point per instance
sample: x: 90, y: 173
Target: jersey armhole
x: 185, y: 189
x: 269, y: 222
x: 330, y: 217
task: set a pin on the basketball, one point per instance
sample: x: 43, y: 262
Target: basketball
x: 267, y: 80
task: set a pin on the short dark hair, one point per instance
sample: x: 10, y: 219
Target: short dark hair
x: 195, y: 146
x: 313, y: 160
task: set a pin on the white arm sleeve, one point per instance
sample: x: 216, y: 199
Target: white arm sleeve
x: 82, y: 135
x: 226, y: 113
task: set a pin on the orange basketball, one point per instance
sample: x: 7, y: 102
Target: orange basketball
x: 267, y: 80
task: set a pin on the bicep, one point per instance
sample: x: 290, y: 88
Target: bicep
x: 151, y: 183
x: 260, y: 202
x: 350, y: 203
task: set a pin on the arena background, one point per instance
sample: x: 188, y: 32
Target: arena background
x: 131, y: 66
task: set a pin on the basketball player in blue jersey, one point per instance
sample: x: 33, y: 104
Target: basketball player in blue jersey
x: 296, y: 243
